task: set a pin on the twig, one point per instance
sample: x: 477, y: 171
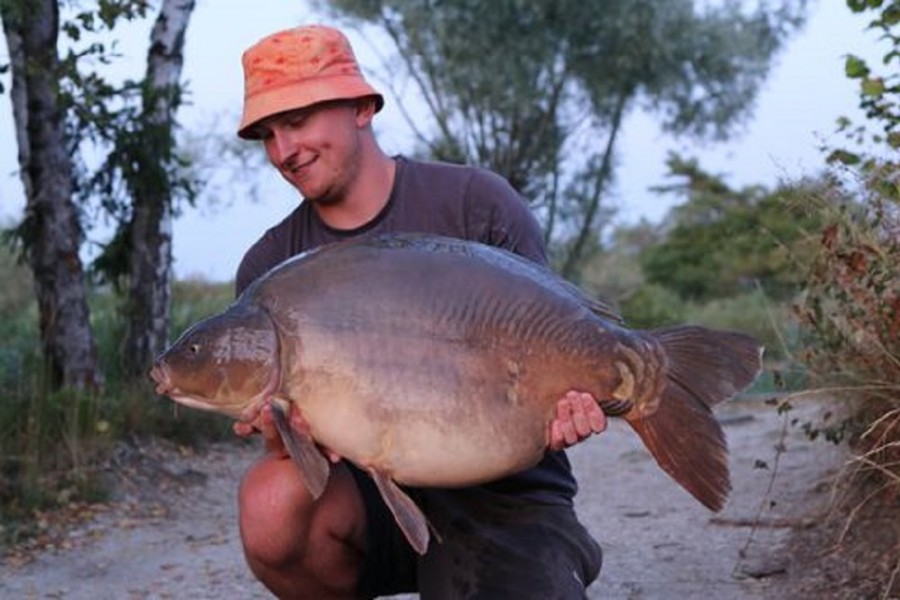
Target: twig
x: 856, y: 509
x: 771, y: 523
x: 890, y: 582
x: 878, y: 467
x: 779, y: 450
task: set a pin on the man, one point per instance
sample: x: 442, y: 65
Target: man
x: 516, y: 538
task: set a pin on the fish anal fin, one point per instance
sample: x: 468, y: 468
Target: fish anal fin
x: 303, y: 451
x: 409, y: 517
x: 688, y: 443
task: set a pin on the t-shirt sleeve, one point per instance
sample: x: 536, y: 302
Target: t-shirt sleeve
x: 499, y: 216
x: 247, y: 271
x: 277, y: 244
x: 267, y: 252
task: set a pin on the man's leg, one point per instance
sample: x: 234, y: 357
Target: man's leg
x: 299, y: 548
x: 497, y: 546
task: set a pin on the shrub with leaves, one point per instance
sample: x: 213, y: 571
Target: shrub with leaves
x: 851, y: 308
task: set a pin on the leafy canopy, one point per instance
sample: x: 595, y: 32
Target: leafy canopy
x: 538, y: 90
x: 722, y: 241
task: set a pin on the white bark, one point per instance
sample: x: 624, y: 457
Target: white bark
x: 150, y: 262
x: 52, y: 233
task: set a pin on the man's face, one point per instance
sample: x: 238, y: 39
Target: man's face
x: 316, y: 149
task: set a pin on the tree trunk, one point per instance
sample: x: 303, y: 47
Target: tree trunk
x: 604, y: 172
x: 150, y: 258
x: 51, y: 232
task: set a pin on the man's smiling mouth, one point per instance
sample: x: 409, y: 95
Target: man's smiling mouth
x: 301, y: 167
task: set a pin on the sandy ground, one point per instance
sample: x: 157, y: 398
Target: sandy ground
x: 172, y: 531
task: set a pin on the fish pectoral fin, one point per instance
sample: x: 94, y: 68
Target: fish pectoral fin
x: 303, y: 451
x: 409, y: 517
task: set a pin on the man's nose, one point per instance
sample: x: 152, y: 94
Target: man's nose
x: 281, y: 147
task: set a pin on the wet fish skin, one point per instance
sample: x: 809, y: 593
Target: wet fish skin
x: 230, y: 360
x: 431, y: 361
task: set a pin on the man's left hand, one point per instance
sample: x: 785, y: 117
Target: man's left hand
x: 577, y: 417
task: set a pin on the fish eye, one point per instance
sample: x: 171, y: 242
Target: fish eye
x: 195, y: 348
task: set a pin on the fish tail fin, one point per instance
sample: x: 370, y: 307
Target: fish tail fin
x: 704, y: 368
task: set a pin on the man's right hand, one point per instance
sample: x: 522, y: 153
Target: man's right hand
x: 264, y: 424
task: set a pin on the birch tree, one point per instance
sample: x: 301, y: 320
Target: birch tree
x: 151, y: 185
x: 51, y: 225
x: 64, y: 106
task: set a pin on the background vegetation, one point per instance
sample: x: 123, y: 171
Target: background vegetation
x: 55, y: 443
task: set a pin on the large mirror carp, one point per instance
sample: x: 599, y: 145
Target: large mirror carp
x: 437, y: 362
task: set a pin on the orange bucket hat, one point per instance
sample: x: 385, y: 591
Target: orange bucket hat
x: 296, y: 68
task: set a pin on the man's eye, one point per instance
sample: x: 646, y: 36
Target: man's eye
x: 261, y: 133
x: 295, y: 122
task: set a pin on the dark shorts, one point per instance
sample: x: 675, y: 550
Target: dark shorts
x: 492, y: 546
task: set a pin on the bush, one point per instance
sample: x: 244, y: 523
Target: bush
x: 53, y: 444
x: 652, y: 306
x: 752, y: 313
x: 851, y: 316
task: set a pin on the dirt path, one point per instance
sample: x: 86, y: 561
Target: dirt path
x: 173, y: 534
x: 660, y: 543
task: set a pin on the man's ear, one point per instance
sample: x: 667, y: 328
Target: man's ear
x: 365, y: 110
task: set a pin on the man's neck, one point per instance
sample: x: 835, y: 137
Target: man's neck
x: 368, y: 195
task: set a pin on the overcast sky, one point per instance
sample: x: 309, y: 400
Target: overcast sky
x: 796, y: 111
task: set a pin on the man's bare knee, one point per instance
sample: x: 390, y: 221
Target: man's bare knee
x: 294, y: 544
x: 275, y: 511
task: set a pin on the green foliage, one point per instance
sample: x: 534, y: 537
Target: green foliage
x: 54, y: 444
x: 753, y: 312
x: 653, y: 305
x: 102, y: 17
x: 879, y: 92
x: 538, y: 90
x: 851, y: 308
x: 194, y: 299
x: 43, y: 447
x: 756, y: 314
x: 722, y: 242
x: 18, y: 322
x: 108, y: 118
x: 851, y: 318
x: 615, y: 274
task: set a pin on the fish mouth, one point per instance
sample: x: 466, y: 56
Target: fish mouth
x: 163, y: 380
x: 165, y: 387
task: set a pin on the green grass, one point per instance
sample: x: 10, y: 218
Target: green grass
x: 53, y: 443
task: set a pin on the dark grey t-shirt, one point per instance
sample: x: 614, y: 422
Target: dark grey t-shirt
x: 444, y: 199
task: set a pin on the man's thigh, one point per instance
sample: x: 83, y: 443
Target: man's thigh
x: 490, y: 546
x: 389, y: 566
x: 494, y: 546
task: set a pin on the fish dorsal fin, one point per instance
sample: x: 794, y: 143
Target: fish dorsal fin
x: 595, y: 305
x: 303, y: 451
x: 409, y: 517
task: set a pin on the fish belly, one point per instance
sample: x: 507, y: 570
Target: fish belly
x: 436, y: 366
x: 426, y: 412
